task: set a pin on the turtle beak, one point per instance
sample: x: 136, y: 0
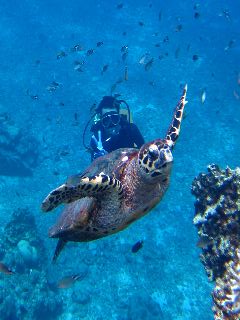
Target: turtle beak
x: 165, y: 157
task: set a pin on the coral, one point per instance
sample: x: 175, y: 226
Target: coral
x: 19, y: 151
x: 22, y: 240
x: 217, y: 218
x: 226, y: 295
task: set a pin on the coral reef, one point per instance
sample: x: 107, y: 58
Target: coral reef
x: 217, y: 218
x: 26, y: 294
x: 19, y: 151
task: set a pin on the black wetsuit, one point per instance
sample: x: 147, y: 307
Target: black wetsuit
x: 128, y: 136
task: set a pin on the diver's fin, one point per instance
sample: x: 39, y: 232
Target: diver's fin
x: 94, y: 186
x: 174, y: 128
x: 60, y: 245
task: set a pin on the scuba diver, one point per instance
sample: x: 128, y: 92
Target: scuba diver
x: 112, y: 128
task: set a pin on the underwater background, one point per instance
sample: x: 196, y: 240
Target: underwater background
x: 52, y: 62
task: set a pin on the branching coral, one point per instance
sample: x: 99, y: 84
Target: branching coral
x: 217, y: 218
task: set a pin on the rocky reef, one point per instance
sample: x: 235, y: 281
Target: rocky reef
x: 217, y: 218
x: 26, y: 294
x: 18, y: 150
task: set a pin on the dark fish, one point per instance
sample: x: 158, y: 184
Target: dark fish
x: 78, y: 66
x: 124, y: 49
x: 77, y: 48
x: 230, y: 45
x: 113, y: 87
x: 196, y: 15
x: 204, y: 242
x: 104, y: 69
x: 126, y: 73
x: 166, y: 39
x: 179, y: 28
x: 68, y: 282
x: 5, y: 269
x: 93, y: 108
x: 149, y: 64
x: 61, y: 54
x: 141, y: 23
x: 90, y: 52
x: 137, y: 246
x: 120, y: 6
x: 177, y: 51
x: 124, y: 33
x: 144, y: 58
x: 124, y: 56
x: 32, y: 96
x: 157, y: 45
x: 160, y: 16
x: 195, y: 57
x: 99, y: 43
x: 225, y: 13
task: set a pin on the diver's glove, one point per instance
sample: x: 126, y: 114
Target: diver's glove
x: 100, y: 151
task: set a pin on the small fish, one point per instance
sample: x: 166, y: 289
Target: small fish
x: 160, y: 16
x: 99, y: 43
x: 93, y: 108
x: 196, y: 15
x: 61, y: 54
x: 225, y: 13
x: 90, y: 52
x: 76, y: 48
x: 203, y: 96
x: 120, y: 6
x: 104, y: 69
x: 144, y: 58
x: 141, y: 24
x: 178, y: 28
x: 113, y: 88
x: 68, y: 282
x: 177, y: 51
x: 126, y: 73
x: 32, y: 96
x: 152, y: 83
x: 238, y: 79
x: 236, y: 95
x: 195, y: 57
x: 5, y: 269
x: 204, y: 242
x: 124, y: 49
x: 124, y: 56
x: 230, y: 45
x: 149, y: 64
x: 137, y: 246
x: 166, y: 39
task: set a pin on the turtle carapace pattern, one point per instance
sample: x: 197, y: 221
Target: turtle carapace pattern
x: 115, y: 190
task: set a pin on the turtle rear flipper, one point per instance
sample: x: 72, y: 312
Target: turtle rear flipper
x: 60, y: 245
x: 95, y: 186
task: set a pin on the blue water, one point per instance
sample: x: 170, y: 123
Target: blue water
x: 41, y: 144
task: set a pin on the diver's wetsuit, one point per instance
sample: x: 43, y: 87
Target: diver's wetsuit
x: 128, y: 136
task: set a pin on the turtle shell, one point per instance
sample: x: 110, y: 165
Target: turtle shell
x: 72, y: 224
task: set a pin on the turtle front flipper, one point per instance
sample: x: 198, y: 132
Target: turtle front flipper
x: 94, y: 186
x: 174, y: 128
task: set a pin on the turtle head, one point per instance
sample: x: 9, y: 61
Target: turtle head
x: 155, y: 158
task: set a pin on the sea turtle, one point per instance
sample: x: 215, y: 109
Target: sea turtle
x: 115, y: 190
